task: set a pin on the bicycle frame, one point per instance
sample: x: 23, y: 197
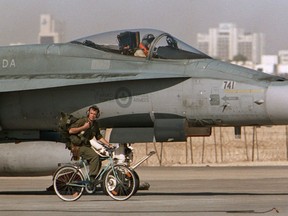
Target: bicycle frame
x: 85, y: 174
x: 117, y: 180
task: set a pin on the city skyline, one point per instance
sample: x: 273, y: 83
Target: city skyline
x: 183, y: 18
x: 228, y: 41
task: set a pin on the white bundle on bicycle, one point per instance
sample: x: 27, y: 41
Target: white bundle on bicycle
x: 99, y: 148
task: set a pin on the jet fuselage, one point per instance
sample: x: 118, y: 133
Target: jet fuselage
x: 175, y: 92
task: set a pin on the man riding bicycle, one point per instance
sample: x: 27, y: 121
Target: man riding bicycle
x: 82, y: 131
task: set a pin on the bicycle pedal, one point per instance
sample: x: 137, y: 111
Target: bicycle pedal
x: 90, y: 186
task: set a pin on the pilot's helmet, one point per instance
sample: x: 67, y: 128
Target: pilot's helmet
x: 147, y: 39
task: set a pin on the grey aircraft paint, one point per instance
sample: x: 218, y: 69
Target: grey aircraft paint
x: 173, y: 93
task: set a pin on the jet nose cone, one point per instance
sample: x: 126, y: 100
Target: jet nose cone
x: 277, y: 103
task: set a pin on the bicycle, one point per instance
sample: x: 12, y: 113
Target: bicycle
x: 118, y: 181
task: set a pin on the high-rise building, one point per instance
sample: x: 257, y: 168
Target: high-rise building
x: 228, y: 41
x: 283, y: 56
x: 251, y: 45
x: 48, y: 33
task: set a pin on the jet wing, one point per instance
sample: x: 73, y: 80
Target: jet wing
x: 10, y: 84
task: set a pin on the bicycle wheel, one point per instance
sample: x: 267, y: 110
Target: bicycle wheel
x: 137, y: 181
x: 120, y: 182
x: 68, y: 183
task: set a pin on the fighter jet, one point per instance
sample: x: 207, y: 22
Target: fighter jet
x: 170, y: 92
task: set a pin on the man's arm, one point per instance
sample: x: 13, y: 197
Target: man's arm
x: 77, y: 130
x: 105, y: 142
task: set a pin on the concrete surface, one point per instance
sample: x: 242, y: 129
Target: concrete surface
x: 173, y: 191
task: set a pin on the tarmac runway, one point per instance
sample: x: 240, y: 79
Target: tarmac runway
x: 257, y: 190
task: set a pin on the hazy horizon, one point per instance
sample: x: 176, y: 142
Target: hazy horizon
x: 20, y: 20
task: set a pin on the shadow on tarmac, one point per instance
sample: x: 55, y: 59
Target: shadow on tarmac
x: 153, y: 193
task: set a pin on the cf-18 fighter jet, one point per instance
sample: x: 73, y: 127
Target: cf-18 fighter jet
x: 170, y: 92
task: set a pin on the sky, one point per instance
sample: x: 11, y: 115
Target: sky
x: 20, y: 19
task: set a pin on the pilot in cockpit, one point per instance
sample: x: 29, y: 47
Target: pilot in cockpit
x: 144, y: 46
x: 171, y: 42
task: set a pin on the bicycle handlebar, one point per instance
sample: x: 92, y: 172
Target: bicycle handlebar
x: 110, y: 150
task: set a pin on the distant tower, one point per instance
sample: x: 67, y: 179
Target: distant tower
x: 47, y: 32
x: 220, y: 42
x: 227, y: 41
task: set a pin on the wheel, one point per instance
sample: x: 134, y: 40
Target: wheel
x: 68, y: 183
x: 137, y: 184
x: 137, y: 181
x: 103, y: 184
x: 120, y: 183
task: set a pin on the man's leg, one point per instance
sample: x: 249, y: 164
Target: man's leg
x: 93, y: 159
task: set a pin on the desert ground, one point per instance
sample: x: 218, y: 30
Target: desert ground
x: 257, y: 145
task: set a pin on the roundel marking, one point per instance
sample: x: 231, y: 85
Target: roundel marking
x: 123, y: 97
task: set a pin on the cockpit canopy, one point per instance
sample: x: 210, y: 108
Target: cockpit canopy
x: 154, y: 43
